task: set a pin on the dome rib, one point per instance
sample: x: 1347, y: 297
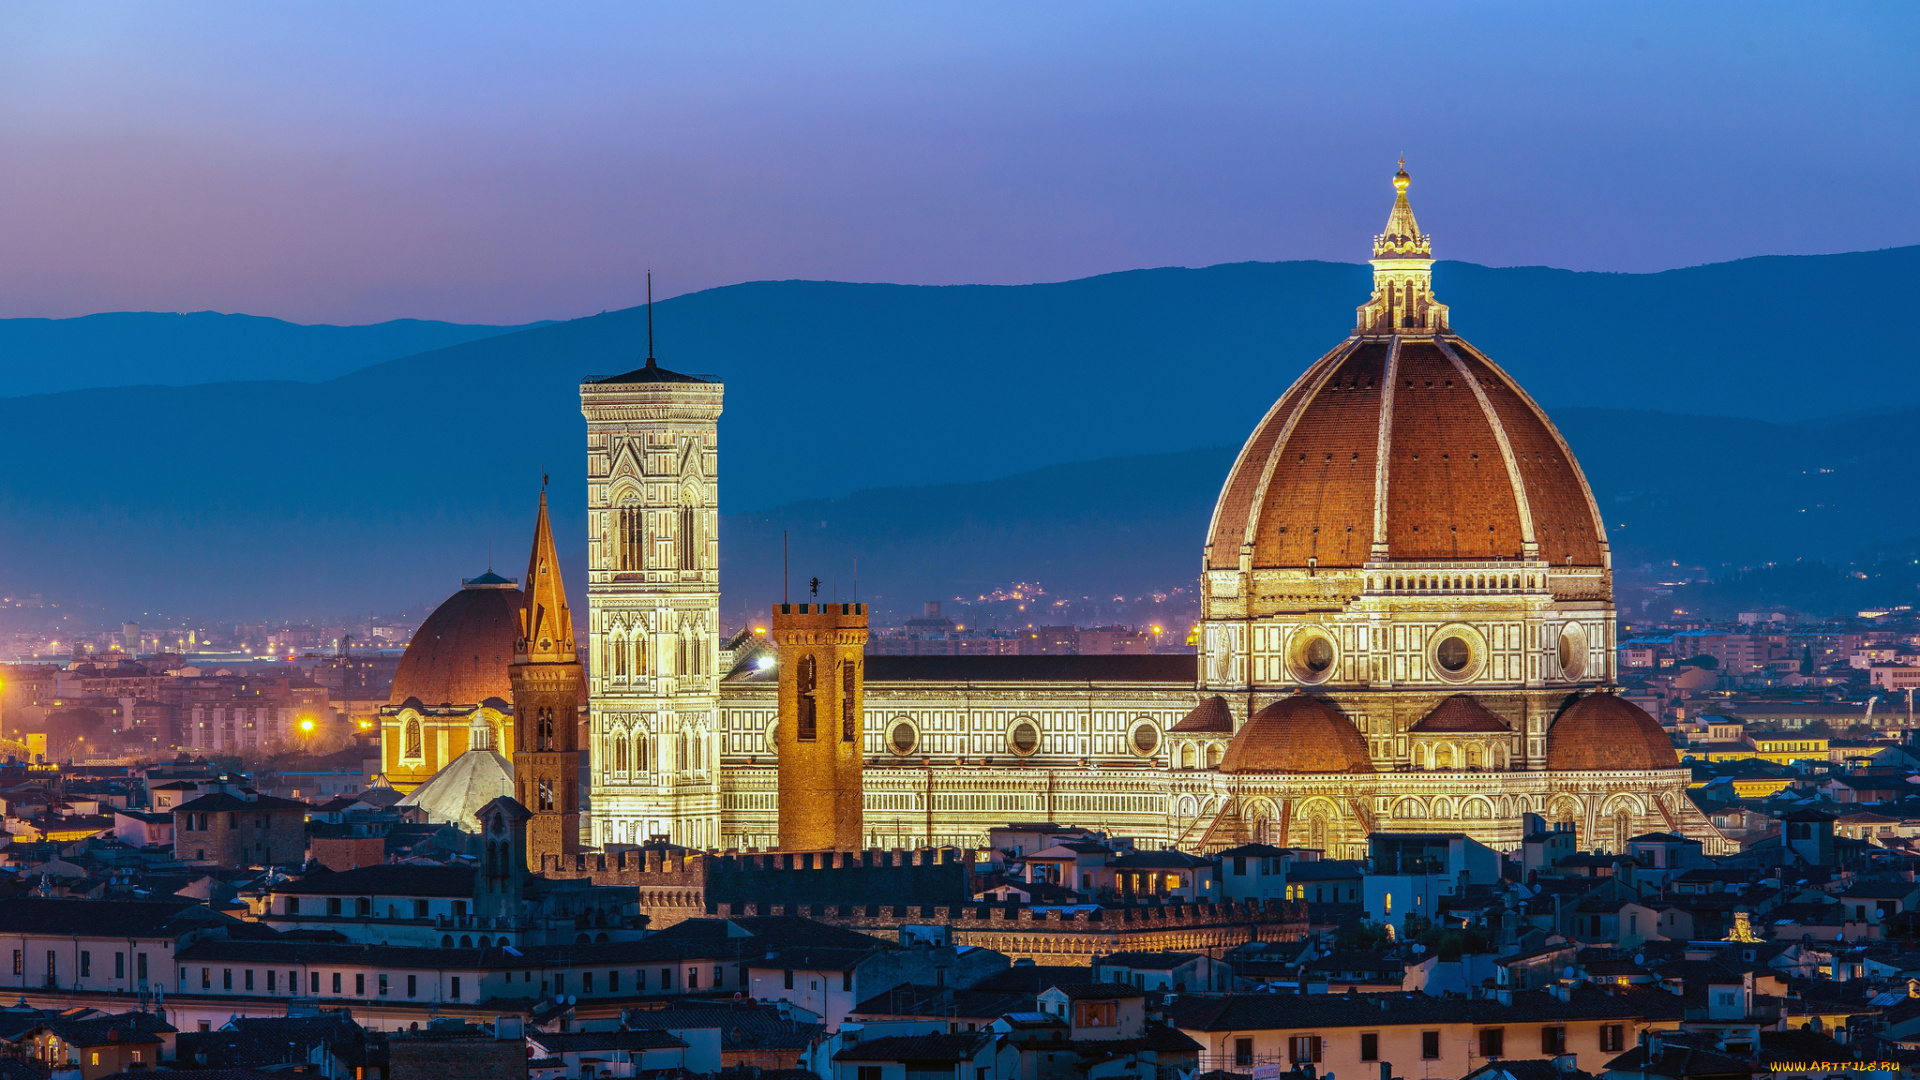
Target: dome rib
x: 1331, y: 365
x: 1227, y: 532
x: 1383, y: 456
x: 1528, y: 543
x: 1450, y: 498
x: 1545, y: 488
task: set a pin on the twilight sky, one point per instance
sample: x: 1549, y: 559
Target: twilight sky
x: 346, y: 162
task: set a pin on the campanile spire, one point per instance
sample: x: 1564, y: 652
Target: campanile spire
x: 1402, y: 300
x: 546, y: 624
x: 547, y: 693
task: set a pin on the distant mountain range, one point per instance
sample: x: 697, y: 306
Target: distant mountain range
x: 888, y: 411
x: 153, y: 348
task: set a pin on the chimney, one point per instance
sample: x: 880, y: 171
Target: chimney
x: 932, y: 609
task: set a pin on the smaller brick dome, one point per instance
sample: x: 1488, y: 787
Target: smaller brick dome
x: 1459, y: 714
x: 460, y: 655
x: 1297, y: 734
x: 1211, y: 716
x: 1604, y: 732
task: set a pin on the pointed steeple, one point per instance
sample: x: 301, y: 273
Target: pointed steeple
x: 546, y: 624
x: 1402, y: 300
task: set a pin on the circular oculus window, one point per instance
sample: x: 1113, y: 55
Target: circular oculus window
x: 1145, y: 738
x: 1457, y: 653
x: 1312, y: 655
x: 902, y: 737
x: 1023, y: 737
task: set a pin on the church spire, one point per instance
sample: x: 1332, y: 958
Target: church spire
x: 546, y: 625
x: 1402, y: 300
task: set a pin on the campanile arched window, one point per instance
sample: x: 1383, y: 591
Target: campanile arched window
x: 413, y: 748
x: 543, y: 730
x: 804, y: 680
x: 630, y: 538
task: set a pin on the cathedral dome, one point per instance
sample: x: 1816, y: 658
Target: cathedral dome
x: 1607, y: 732
x: 1404, y: 443
x: 460, y: 655
x: 1297, y: 734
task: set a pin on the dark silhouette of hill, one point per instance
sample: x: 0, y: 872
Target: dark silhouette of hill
x: 136, y: 348
x: 380, y: 488
x: 1713, y: 492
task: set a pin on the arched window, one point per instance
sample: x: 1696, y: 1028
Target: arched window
x: 414, y: 749
x: 640, y: 753
x: 620, y: 754
x: 619, y: 650
x: 803, y: 684
x: 630, y: 539
x: 689, y: 531
x: 847, y: 675
x: 681, y: 761
x: 543, y: 729
x: 546, y: 794
x: 640, y: 655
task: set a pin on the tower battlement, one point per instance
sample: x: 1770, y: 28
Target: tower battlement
x: 821, y: 736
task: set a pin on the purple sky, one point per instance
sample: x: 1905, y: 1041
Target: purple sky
x: 352, y: 163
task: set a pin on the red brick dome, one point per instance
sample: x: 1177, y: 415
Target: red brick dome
x: 1459, y: 714
x: 1605, y: 732
x: 1297, y: 734
x: 1210, y: 717
x: 1309, y: 482
x: 460, y: 655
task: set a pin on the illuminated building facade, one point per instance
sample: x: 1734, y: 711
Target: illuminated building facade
x: 1407, y: 624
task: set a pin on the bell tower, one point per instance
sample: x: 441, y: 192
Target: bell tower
x: 547, y: 681
x: 653, y: 605
x: 821, y: 733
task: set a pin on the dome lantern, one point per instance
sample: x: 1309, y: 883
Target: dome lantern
x: 1402, y: 261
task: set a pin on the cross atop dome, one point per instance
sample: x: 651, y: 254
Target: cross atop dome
x: 1402, y: 300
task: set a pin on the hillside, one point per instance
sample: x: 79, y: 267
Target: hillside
x: 146, y: 348
x: 380, y: 488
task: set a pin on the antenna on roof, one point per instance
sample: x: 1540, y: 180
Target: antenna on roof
x: 649, y: 315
